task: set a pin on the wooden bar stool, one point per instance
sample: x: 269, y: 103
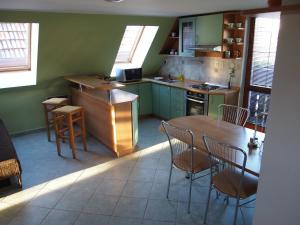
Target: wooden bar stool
x: 64, y: 120
x: 49, y: 105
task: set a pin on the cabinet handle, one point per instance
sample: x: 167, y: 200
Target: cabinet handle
x: 193, y: 100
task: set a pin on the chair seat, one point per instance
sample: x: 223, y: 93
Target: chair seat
x: 9, y: 168
x: 55, y: 101
x: 183, y: 161
x: 67, y: 109
x: 227, y: 182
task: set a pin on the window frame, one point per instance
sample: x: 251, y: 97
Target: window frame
x: 248, y: 86
x: 28, y: 66
x: 134, y: 47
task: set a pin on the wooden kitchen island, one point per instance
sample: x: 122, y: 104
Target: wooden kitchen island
x: 111, y: 114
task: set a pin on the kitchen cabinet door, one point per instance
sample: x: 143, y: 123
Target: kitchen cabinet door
x: 178, y: 107
x: 214, y: 102
x: 155, y: 99
x: 209, y: 30
x: 164, y: 101
x: 187, y: 36
x: 145, y: 97
x: 132, y: 88
x: 135, y: 122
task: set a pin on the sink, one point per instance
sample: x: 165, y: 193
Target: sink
x: 170, y: 81
x: 166, y: 80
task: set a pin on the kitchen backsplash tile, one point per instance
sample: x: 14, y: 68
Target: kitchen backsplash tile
x: 208, y: 69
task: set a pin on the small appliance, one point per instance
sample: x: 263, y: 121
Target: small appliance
x: 128, y: 75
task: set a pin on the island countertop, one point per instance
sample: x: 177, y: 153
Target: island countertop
x: 105, y: 91
x: 93, y: 82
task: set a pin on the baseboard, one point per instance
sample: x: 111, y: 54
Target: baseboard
x: 16, y: 134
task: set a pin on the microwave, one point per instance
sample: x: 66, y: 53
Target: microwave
x: 128, y: 75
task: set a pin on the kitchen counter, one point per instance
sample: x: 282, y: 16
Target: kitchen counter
x: 225, y: 96
x: 186, y: 85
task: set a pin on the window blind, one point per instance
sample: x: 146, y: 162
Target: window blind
x: 264, y: 51
x: 129, y: 43
x: 14, y: 46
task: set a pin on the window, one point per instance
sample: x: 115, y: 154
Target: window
x: 260, y: 66
x: 129, y: 43
x: 134, y: 47
x: 18, y: 54
x: 15, y: 46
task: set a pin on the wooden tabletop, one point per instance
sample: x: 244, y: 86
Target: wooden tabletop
x: 225, y: 132
x: 93, y: 82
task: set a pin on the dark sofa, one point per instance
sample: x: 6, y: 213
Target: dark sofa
x: 9, y: 162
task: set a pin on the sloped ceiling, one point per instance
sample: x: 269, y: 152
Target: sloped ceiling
x: 133, y: 7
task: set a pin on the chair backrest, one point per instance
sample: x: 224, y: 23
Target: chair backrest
x: 180, y: 141
x: 230, y: 158
x: 233, y: 114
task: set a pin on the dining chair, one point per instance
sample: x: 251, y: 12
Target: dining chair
x: 233, y: 114
x: 230, y: 178
x: 184, y: 156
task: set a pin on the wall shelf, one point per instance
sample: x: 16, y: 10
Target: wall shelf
x: 172, y: 42
x: 235, y: 50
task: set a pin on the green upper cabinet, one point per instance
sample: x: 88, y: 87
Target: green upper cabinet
x: 209, y: 30
x: 201, y: 32
x: 187, y: 29
x: 177, y: 103
x: 164, y: 101
x: 214, y: 102
x: 145, y: 98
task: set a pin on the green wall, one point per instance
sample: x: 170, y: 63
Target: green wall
x: 71, y: 44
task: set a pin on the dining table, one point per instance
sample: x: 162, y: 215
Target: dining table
x: 224, y: 132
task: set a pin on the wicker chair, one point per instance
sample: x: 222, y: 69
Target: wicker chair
x: 9, y: 168
x: 9, y: 162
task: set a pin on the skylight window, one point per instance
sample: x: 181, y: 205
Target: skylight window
x: 15, y: 46
x: 134, y: 47
x: 18, y: 54
x: 129, y: 43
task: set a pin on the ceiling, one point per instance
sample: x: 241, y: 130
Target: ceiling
x: 133, y: 7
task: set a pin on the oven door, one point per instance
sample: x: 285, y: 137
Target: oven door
x: 196, y: 107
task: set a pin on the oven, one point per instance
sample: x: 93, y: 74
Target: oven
x: 196, y: 103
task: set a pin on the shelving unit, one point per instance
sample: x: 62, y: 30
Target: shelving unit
x: 235, y: 49
x: 172, y: 42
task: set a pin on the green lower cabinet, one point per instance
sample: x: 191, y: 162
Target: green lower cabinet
x: 155, y: 99
x: 135, y: 122
x: 164, y: 101
x: 132, y: 88
x: 177, y: 103
x: 145, y: 99
x: 214, y: 102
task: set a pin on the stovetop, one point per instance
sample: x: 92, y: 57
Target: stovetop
x: 205, y: 87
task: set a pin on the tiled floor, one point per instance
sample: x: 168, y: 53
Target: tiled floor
x: 98, y: 189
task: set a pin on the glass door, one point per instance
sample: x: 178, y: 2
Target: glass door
x: 187, y: 36
x: 260, y: 67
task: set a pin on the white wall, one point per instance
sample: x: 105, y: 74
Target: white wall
x: 278, y: 199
